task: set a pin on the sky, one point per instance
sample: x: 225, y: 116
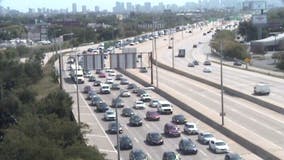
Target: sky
x: 24, y: 5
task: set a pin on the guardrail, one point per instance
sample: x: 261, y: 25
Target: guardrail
x: 228, y: 90
x: 232, y: 135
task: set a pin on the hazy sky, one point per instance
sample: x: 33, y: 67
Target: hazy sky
x: 24, y: 5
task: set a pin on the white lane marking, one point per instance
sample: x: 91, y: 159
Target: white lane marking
x: 147, y: 125
x: 95, y: 135
x: 149, y: 155
x: 136, y: 139
x: 92, y: 113
x: 106, y: 150
x: 202, y: 152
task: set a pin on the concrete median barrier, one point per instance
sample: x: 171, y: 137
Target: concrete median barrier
x: 249, y: 145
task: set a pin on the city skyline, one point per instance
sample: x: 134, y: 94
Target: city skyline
x: 24, y: 5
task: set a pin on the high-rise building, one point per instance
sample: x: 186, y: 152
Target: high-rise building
x: 119, y: 7
x: 147, y: 7
x: 97, y: 9
x: 74, y: 8
x: 84, y: 9
x: 129, y: 7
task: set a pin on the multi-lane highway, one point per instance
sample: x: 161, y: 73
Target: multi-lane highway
x: 106, y: 142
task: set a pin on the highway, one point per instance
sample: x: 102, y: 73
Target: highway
x: 106, y: 143
x: 237, y: 79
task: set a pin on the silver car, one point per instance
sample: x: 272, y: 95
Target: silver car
x: 205, y: 137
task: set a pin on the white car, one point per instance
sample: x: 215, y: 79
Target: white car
x: 139, y: 105
x: 110, y: 115
x: 190, y: 128
x: 105, y: 89
x: 112, y: 73
x: 218, y: 146
x: 145, y: 97
x: 125, y: 93
x: 154, y: 103
x: 207, y: 69
x: 165, y: 107
x: 109, y: 80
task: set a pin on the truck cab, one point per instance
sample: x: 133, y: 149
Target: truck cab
x: 165, y: 107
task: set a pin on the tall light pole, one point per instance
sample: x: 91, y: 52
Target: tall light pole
x: 222, y: 89
x: 77, y: 90
x: 117, y: 131
x: 173, y: 52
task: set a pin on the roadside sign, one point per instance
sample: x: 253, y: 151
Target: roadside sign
x: 247, y: 60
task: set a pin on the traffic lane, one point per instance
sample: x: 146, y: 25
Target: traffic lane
x: 262, y: 124
x: 139, y: 136
x: 95, y: 133
x: 243, y: 77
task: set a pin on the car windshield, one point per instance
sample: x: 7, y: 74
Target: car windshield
x: 208, y: 135
x: 171, y: 156
x: 180, y: 117
x: 165, y: 105
x: 156, y: 136
x: 189, y: 125
x: 220, y: 143
x: 140, y: 155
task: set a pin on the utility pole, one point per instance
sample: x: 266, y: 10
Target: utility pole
x: 117, y: 131
x: 173, y: 52
x: 157, y: 77
x: 151, y: 58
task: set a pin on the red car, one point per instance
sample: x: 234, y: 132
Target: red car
x: 152, y: 116
x: 102, y: 75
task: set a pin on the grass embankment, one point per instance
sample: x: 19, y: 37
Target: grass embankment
x: 48, y: 83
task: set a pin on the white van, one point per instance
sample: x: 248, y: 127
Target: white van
x: 164, y: 107
x: 261, y: 89
x: 105, y: 89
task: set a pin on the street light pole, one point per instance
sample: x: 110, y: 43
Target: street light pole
x: 222, y: 89
x: 117, y: 132
x: 77, y: 89
x: 157, y: 77
x: 173, y: 54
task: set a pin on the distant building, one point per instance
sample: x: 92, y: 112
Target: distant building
x: 147, y: 7
x: 84, y: 9
x: 97, y: 9
x: 74, y: 8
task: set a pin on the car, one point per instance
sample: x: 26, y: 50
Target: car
x: 152, y: 116
x: 98, y: 71
x: 112, y: 73
x: 207, y: 69
x: 143, y: 70
x: 92, y: 78
x: 112, y: 128
x: 95, y: 101
x: 179, y: 119
x: 139, y: 105
x: 102, y: 75
x: 204, y: 34
x: 194, y: 46
x: 127, y: 112
x: 154, y: 103
x: 190, y: 128
x: 171, y: 130
x: 131, y: 86
x: 105, y: 89
x: 170, y: 155
x: 117, y: 103
x: 140, y: 92
x: 154, y: 138
x: 137, y: 154
x: 207, y: 63
x: 92, y: 93
x: 135, y: 120
x: 124, y: 93
x: 115, y: 86
x: 118, y: 76
x: 195, y: 62
x: 125, y: 143
x: 233, y: 156
x: 145, y: 97
x: 261, y: 89
x: 102, y: 107
x: 97, y: 82
x: 109, y: 80
x: 186, y: 146
x: 165, y: 107
x: 218, y: 146
x: 205, y: 137
x: 190, y: 64
x: 124, y: 81
x: 237, y: 63
x: 87, y: 89
x: 110, y: 115
x: 87, y: 73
